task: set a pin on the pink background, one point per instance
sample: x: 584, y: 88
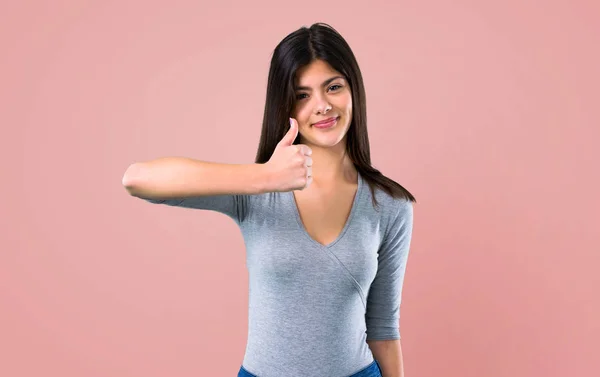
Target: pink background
x: 486, y: 111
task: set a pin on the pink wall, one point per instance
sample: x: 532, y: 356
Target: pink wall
x: 488, y: 113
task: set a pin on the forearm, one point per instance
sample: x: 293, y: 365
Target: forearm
x: 180, y: 177
x: 388, y: 354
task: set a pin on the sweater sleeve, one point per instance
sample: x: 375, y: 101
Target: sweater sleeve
x: 385, y: 294
x: 234, y: 206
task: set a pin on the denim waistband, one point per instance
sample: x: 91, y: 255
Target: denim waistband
x: 371, y: 370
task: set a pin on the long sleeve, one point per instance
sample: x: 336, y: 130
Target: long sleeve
x: 385, y: 294
x: 234, y: 206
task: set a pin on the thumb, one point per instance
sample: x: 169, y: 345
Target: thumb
x: 290, y: 136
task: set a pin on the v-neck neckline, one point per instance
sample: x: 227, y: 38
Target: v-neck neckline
x: 346, y: 225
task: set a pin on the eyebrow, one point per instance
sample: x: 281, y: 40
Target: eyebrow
x: 325, y: 83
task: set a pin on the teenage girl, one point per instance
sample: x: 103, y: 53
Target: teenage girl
x: 327, y: 235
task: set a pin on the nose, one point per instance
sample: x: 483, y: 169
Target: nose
x: 322, y: 106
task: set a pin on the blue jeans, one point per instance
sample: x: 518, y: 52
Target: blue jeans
x: 371, y: 370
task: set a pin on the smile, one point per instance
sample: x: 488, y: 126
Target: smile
x: 326, y: 124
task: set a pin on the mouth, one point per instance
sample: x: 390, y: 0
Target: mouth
x: 326, y: 123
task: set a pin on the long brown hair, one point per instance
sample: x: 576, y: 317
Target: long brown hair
x: 296, y: 50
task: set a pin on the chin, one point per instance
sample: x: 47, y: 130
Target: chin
x: 326, y: 140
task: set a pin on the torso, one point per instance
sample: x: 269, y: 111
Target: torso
x: 324, y: 213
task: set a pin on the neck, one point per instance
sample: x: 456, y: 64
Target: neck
x: 331, y: 165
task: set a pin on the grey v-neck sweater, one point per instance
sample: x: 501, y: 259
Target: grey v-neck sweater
x: 313, y: 307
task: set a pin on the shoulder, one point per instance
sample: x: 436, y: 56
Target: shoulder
x: 390, y: 215
x: 267, y: 204
x: 394, y: 212
x: 401, y: 216
x: 390, y: 206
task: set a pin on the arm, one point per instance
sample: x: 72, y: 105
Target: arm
x: 388, y: 354
x: 180, y: 177
x: 385, y: 294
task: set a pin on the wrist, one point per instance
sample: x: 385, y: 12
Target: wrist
x: 262, y: 179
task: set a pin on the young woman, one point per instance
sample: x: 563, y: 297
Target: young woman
x: 327, y: 235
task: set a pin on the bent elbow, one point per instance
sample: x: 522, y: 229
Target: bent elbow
x: 130, y: 177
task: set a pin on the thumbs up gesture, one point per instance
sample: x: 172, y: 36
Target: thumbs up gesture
x: 290, y: 166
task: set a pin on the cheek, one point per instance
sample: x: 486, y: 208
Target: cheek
x: 303, y: 115
x: 349, y: 102
x: 345, y: 102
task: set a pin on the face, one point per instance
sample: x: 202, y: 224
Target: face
x: 321, y: 93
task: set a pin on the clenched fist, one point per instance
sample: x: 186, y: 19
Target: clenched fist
x: 290, y: 166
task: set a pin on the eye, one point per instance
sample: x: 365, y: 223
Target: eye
x: 299, y: 96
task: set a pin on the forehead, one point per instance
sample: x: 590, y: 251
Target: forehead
x: 314, y: 73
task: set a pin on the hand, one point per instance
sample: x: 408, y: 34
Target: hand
x: 290, y: 166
